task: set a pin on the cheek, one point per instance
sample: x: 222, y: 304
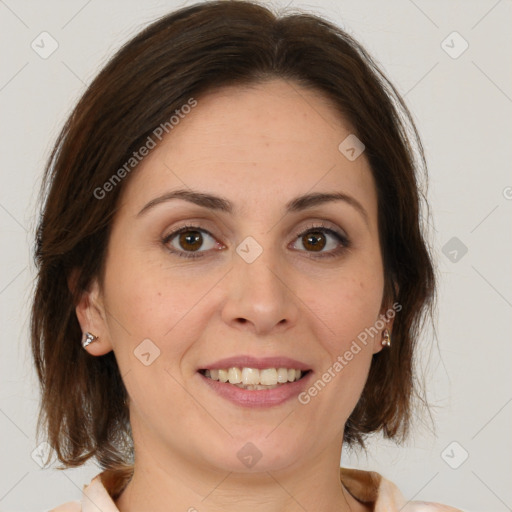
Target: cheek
x: 345, y: 314
x: 147, y: 298
x: 346, y: 304
x: 155, y: 314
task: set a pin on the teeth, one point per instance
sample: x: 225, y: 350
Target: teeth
x: 268, y: 377
x: 282, y: 375
x: 256, y: 386
x: 253, y: 378
x: 235, y: 376
x: 249, y: 376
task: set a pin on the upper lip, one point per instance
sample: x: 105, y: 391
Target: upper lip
x: 246, y: 361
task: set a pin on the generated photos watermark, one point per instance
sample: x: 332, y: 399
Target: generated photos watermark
x: 343, y: 360
x: 137, y: 156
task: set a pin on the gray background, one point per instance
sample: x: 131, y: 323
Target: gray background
x: 463, y: 108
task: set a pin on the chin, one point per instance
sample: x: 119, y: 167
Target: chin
x: 253, y: 453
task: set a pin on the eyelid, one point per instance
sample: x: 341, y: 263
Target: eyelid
x: 184, y: 228
x: 326, y: 225
x: 190, y: 227
x: 334, y: 231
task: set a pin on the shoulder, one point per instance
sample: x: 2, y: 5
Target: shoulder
x: 389, y: 493
x: 374, y: 490
x: 99, y: 491
x: 70, y: 506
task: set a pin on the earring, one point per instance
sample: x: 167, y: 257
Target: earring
x: 88, y: 338
x: 386, y: 341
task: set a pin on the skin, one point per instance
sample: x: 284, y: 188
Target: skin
x: 259, y: 147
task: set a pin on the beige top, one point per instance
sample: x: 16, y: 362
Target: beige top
x: 367, y: 487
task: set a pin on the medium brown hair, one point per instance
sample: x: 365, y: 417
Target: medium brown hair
x: 189, y: 52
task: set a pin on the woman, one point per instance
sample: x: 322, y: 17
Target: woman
x: 232, y: 272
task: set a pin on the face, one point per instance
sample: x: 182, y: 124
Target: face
x: 252, y: 272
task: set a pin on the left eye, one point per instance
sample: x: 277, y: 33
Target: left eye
x: 318, y: 239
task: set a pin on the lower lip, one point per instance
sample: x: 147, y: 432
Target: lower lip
x: 258, y: 397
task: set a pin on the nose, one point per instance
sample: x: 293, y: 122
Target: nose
x: 260, y: 296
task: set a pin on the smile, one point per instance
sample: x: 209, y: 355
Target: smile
x: 254, y: 378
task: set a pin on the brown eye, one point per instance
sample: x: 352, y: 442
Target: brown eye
x: 314, y: 241
x: 191, y: 240
x: 323, y: 241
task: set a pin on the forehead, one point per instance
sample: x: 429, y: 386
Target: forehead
x: 272, y: 141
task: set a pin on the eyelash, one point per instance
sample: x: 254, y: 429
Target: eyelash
x: 342, y: 239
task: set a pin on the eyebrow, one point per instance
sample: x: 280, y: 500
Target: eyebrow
x: 297, y: 204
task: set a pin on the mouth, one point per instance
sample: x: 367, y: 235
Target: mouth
x: 254, y: 379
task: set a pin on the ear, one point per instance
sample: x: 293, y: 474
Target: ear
x: 90, y: 312
x: 385, y: 321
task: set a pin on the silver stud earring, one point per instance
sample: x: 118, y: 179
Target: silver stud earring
x: 386, y: 340
x: 88, y: 339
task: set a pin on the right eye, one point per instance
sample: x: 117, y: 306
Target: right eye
x: 190, y: 242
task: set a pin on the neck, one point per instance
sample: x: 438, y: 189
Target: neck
x: 162, y: 484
